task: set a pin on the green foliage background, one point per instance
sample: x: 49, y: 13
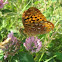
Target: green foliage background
x: 11, y: 19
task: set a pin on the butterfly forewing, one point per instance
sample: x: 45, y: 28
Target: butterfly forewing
x: 32, y: 16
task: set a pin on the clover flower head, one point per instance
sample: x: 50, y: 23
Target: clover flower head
x: 13, y: 39
x: 5, y: 56
x: 2, y: 3
x: 11, y: 46
x: 33, y: 44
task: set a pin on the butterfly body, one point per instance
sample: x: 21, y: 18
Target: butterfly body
x: 35, y: 22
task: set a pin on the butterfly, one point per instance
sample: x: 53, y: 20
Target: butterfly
x: 35, y: 22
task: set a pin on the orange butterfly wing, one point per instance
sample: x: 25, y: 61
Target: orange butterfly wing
x: 35, y: 22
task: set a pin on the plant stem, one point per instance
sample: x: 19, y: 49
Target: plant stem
x: 41, y: 57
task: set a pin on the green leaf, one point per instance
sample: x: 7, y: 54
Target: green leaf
x: 0, y: 37
x: 4, y: 31
x: 22, y: 57
x: 1, y: 21
x: 1, y: 54
x: 59, y: 55
x: 6, y: 11
x: 54, y: 0
x: 37, y: 2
